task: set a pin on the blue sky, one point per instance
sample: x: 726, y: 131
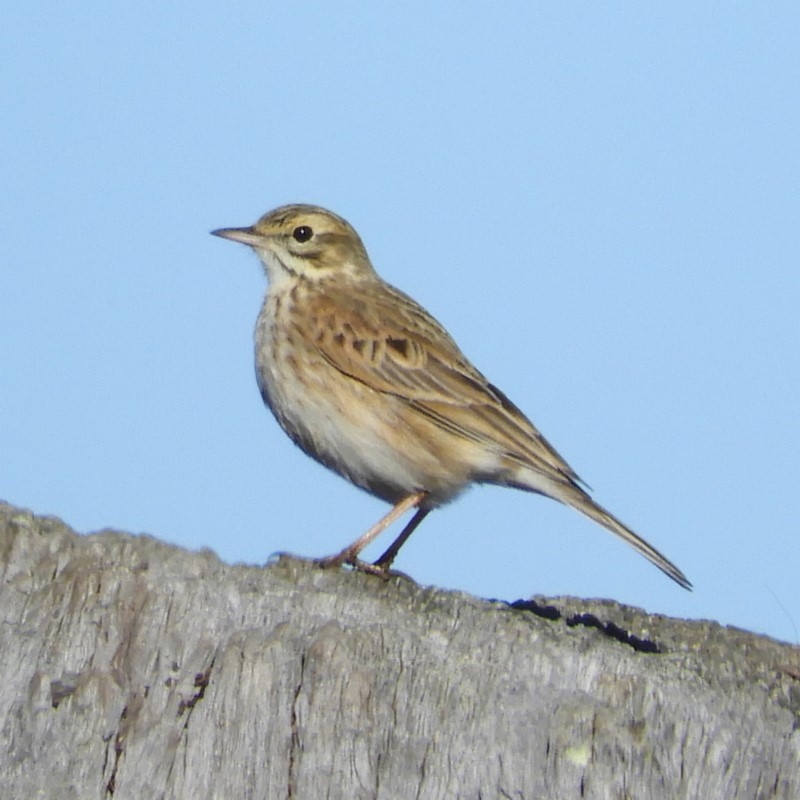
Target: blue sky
x: 600, y: 201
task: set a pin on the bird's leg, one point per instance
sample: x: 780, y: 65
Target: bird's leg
x: 350, y: 554
x: 385, y: 561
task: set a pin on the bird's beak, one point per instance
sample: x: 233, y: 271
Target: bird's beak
x: 244, y: 235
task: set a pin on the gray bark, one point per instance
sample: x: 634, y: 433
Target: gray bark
x: 133, y: 669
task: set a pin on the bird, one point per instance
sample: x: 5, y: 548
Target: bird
x: 368, y: 383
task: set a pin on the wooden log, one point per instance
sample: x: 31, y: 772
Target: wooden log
x: 134, y: 669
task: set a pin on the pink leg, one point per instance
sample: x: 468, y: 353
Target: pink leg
x: 350, y: 554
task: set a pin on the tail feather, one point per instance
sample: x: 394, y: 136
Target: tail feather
x: 581, y: 501
x: 573, y: 495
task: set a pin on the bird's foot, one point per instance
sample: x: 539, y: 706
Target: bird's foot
x: 378, y: 569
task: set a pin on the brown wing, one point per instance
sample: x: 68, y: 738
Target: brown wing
x: 385, y: 340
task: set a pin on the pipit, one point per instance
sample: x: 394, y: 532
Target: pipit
x: 368, y: 383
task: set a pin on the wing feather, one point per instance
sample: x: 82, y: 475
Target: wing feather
x: 392, y: 345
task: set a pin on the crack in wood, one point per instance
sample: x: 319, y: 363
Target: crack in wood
x: 119, y: 748
x: 610, y: 629
x: 295, y: 732
x: 201, y: 680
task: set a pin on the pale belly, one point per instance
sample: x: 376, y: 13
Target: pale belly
x: 370, y: 438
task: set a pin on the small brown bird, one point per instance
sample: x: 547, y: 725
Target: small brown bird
x: 368, y: 383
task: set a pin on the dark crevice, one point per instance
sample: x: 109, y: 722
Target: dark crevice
x: 295, y: 732
x: 119, y: 748
x: 610, y: 629
x: 200, y: 682
x: 545, y: 612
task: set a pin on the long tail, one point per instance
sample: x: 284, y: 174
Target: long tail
x: 578, y: 499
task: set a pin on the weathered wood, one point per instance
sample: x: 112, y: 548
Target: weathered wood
x: 133, y: 669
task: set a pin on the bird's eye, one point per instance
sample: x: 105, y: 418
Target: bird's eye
x: 302, y: 234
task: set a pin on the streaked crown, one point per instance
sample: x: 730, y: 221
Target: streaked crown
x: 304, y: 241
